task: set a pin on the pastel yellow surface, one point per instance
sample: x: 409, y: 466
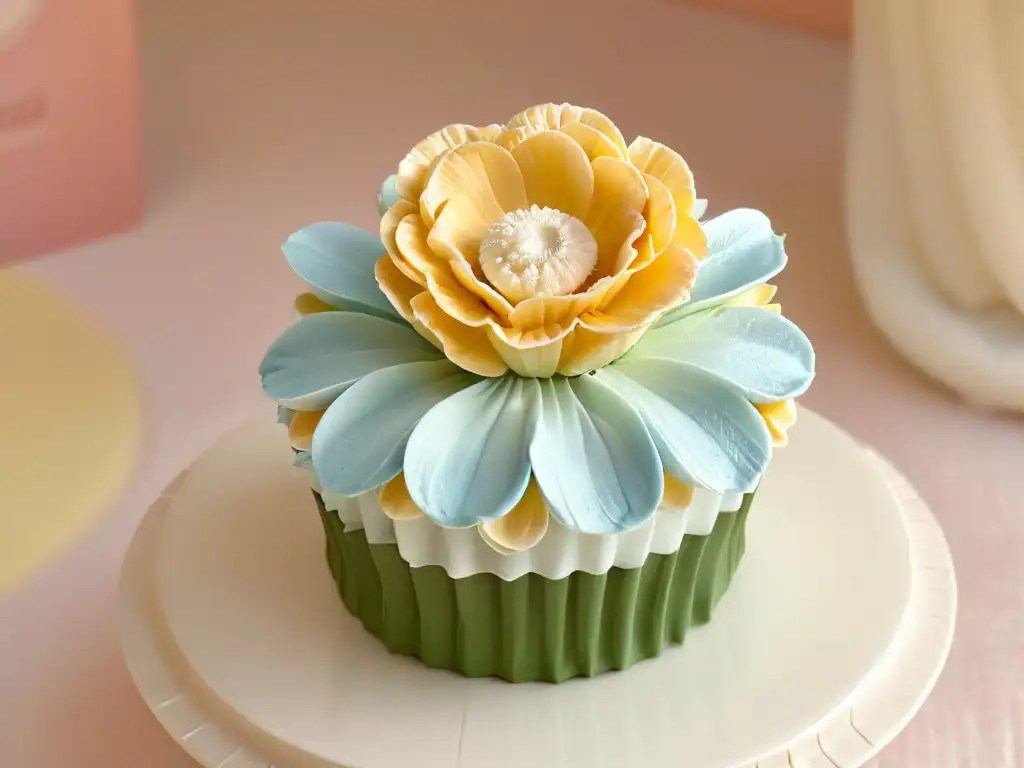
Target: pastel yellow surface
x: 71, y: 414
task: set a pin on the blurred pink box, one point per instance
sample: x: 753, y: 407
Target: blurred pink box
x: 70, y: 153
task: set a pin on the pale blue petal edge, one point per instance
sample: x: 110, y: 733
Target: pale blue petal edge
x: 337, y: 261
x: 303, y: 459
x: 360, y: 442
x: 322, y: 355
x: 285, y: 415
x: 707, y: 434
x: 743, y: 251
x: 700, y: 207
x: 594, y: 461
x: 467, y: 460
x: 758, y: 351
x: 388, y: 195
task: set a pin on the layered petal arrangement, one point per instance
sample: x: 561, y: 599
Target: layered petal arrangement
x: 545, y: 246
x: 544, y: 328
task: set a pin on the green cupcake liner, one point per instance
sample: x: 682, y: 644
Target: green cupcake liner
x: 533, y: 628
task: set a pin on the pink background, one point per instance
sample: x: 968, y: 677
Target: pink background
x: 831, y: 18
x: 262, y: 116
x: 78, y: 175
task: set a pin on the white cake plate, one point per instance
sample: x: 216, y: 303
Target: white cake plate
x: 834, y: 631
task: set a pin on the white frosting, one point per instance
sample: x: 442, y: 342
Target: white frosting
x: 537, y: 251
x: 462, y: 552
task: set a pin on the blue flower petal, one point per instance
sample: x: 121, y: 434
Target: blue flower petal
x: 468, y: 459
x: 388, y: 194
x: 337, y: 260
x: 360, y: 442
x: 756, y: 350
x: 707, y: 434
x: 742, y: 252
x: 700, y: 207
x: 322, y: 355
x: 285, y: 415
x: 593, y: 458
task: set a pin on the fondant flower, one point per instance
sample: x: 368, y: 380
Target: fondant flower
x: 382, y: 409
x: 726, y: 345
x: 546, y: 245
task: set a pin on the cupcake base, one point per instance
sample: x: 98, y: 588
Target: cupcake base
x: 534, y: 629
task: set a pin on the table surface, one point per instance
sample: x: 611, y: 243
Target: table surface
x: 262, y: 116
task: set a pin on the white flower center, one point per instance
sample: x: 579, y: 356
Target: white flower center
x: 537, y: 251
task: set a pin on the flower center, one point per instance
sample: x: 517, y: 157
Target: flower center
x: 537, y: 251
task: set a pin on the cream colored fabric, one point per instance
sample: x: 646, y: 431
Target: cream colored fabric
x: 935, y: 187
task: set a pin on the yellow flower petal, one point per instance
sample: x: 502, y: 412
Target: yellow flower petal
x: 394, y: 499
x: 543, y: 310
x: 690, y: 235
x: 400, y: 291
x: 482, y: 173
x: 649, y: 292
x: 645, y: 254
x: 453, y: 297
x: 668, y: 167
x: 389, y: 223
x: 412, y: 171
x: 458, y: 231
x: 469, y: 280
x: 556, y: 172
x: 461, y: 305
x: 523, y: 526
x: 779, y: 417
x: 466, y: 346
x: 558, y: 116
x: 584, y: 350
x: 526, y: 359
x: 411, y: 241
x: 546, y: 312
x: 408, y: 270
x: 660, y: 213
x: 310, y: 304
x: 450, y: 294
x: 594, y: 143
x: 677, y: 494
x: 513, y: 137
x: 540, y: 320
x: 757, y: 296
x: 615, y: 217
x: 300, y: 431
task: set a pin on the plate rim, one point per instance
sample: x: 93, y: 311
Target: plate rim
x: 878, y: 708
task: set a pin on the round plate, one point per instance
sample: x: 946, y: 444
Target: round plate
x: 237, y: 640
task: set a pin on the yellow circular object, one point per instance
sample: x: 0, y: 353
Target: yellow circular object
x: 71, y: 422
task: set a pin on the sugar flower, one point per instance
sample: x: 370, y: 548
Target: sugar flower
x: 543, y: 329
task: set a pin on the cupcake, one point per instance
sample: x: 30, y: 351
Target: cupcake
x: 535, y: 410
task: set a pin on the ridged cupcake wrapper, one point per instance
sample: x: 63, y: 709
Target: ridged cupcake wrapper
x: 533, y: 628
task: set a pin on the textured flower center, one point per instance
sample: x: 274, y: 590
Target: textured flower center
x: 535, y: 251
